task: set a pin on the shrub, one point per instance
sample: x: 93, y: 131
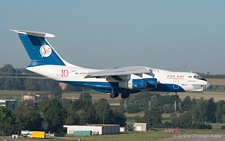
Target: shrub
x: 223, y: 127
x: 202, y: 126
x: 132, y: 109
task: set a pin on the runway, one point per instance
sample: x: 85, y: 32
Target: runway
x: 197, y: 137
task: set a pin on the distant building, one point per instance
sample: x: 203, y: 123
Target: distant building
x: 11, y: 104
x: 29, y: 97
x: 35, y: 97
x: 140, y: 126
x: 100, y: 129
x: 44, y: 95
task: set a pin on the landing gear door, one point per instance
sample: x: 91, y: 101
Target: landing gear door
x: 175, y: 84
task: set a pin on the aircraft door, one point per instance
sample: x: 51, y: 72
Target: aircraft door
x: 175, y: 84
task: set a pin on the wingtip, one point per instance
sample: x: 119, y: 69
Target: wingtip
x: 13, y: 30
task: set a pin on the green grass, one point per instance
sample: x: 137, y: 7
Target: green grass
x: 130, y: 120
x: 127, y: 136
x: 218, y: 95
x: 130, y: 117
x: 86, y: 91
x: 130, y: 136
x: 214, y: 90
x: 5, y: 96
x: 141, y: 114
x: 165, y: 120
x: 20, y: 92
x: 16, y: 94
x: 216, y: 126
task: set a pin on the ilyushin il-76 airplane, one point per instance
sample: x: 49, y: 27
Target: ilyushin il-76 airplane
x: 125, y: 80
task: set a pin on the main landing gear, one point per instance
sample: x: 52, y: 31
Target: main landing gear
x: 124, y: 96
x: 114, y: 95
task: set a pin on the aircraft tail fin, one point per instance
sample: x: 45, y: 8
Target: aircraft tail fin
x: 39, y: 49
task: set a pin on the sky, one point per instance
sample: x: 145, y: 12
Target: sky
x: 175, y: 35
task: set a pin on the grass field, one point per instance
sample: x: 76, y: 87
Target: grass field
x: 217, y: 81
x: 218, y: 95
x: 16, y: 94
x: 108, y: 100
x: 206, y: 95
x: 129, y: 136
x: 165, y: 117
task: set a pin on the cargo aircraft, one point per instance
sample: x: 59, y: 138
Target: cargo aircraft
x: 125, y: 80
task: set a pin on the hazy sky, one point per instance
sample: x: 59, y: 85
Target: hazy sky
x: 174, y: 35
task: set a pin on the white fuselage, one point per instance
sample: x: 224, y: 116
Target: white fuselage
x: 175, y: 81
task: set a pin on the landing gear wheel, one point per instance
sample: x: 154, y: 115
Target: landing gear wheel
x: 124, y: 96
x: 176, y: 97
x: 112, y: 95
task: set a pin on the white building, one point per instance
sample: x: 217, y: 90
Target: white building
x: 101, y: 129
x: 140, y: 126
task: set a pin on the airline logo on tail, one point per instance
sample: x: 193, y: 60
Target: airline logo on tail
x: 45, y: 51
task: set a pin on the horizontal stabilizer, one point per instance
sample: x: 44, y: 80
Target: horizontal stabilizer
x: 34, y: 33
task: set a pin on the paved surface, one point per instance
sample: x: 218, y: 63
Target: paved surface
x: 7, y: 138
x: 197, y: 137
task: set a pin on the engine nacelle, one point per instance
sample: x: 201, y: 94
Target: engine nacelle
x: 133, y: 84
x: 152, y: 82
x: 138, y: 84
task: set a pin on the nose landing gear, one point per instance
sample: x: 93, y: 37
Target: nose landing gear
x: 175, y: 97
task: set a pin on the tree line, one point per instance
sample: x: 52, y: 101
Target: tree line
x: 191, y: 113
x: 51, y: 115
x: 215, y: 76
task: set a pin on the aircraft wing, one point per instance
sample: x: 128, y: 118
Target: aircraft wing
x: 120, y: 71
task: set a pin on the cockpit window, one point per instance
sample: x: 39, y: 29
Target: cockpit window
x: 196, y: 76
x: 199, y: 77
x: 189, y: 76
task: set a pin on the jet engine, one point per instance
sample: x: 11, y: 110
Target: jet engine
x: 133, y: 84
x: 138, y: 84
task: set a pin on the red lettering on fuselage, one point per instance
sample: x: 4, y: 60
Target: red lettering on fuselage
x: 180, y: 76
x: 171, y: 76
